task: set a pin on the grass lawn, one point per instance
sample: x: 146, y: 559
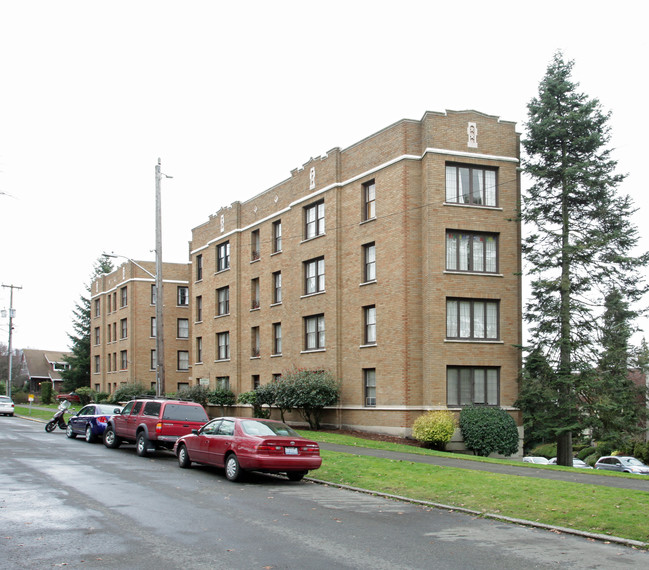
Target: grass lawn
x: 590, y: 508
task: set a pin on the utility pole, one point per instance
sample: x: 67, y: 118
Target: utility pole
x: 11, y: 328
x: 159, y: 350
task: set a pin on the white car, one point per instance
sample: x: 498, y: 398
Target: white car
x: 537, y: 460
x: 6, y: 406
x: 576, y: 462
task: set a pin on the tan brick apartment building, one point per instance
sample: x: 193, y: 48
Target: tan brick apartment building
x: 123, y: 326
x: 395, y: 263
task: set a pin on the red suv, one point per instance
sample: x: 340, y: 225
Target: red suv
x: 153, y: 424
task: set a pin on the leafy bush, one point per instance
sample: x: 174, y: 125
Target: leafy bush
x: 222, y: 397
x: 46, y: 393
x: 591, y: 459
x: 547, y: 450
x: 434, y: 429
x: 129, y: 392
x: 308, y: 391
x: 102, y: 397
x: 86, y: 395
x: 641, y: 451
x: 198, y: 394
x: 488, y: 430
x: 19, y: 397
x: 252, y: 399
x: 586, y: 452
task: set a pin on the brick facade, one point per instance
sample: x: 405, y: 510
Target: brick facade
x: 121, y: 332
x: 407, y: 164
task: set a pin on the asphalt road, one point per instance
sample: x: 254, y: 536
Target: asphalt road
x: 69, y: 503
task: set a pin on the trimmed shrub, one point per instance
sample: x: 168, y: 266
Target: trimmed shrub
x: 586, y: 452
x: 434, y: 429
x: 488, y: 430
x: 547, y: 450
x: 222, y: 397
x: 129, y: 392
x: 86, y: 395
x: 198, y: 394
x: 102, y: 397
x: 46, y: 393
x: 308, y: 391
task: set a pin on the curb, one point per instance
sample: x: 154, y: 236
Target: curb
x: 502, y: 518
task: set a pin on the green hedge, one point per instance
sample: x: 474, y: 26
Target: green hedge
x: 488, y: 430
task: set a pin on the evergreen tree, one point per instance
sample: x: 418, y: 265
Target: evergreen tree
x: 580, y: 241
x: 78, y: 374
x: 615, y: 405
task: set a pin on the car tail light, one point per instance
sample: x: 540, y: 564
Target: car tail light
x: 158, y: 427
x: 102, y: 420
x: 311, y: 449
x: 269, y: 448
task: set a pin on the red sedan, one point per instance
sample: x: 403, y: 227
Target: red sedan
x: 249, y: 444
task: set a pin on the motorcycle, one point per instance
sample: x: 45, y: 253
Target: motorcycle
x: 59, y: 418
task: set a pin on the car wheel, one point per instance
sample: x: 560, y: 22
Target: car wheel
x: 50, y: 427
x: 69, y: 432
x: 183, y: 457
x: 296, y: 475
x: 142, y: 445
x: 110, y: 439
x: 232, y: 468
x: 90, y: 437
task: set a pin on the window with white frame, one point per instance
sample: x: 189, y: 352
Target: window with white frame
x: 277, y: 236
x: 314, y: 217
x: 123, y: 327
x: 97, y: 307
x: 223, y: 301
x: 97, y: 363
x: 223, y: 346
x: 223, y: 256
x: 369, y: 201
x: 314, y: 275
x: 183, y: 296
x: 472, y: 252
x: 183, y: 360
x: 183, y: 328
x: 467, y: 385
x: 277, y: 338
x: 472, y: 319
x: 369, y: 314
x: 154, y: 359
x: 314, y: 332
x: 154, y: 328
x: 154, y: 294
x: 223, y: 382
x: 369, y: 262
x: 97, y: 335
x: 369, y: 387
x: 277, y: 287
x: 123, y: 295
x: 123, y: 360
x: 473, y: 185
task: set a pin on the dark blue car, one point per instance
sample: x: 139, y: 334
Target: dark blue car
x: 91, y: 421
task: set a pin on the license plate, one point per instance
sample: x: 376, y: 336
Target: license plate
x: 290, y: 450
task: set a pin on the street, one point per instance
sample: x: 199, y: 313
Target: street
x: 69, y: 503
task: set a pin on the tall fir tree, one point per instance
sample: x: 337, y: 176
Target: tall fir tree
x: 78, y: 374
x: 615, y: 407
x: 580, y: 240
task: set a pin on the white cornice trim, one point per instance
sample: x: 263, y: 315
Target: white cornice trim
x: 457, y: 153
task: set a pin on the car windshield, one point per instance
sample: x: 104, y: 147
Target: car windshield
x: 254, y: 427
x: 185, y: 413
x: 631, y: 461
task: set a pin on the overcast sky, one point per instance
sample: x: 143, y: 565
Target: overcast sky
x: 233, y: 96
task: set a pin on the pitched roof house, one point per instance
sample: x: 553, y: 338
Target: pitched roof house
x: 43, y: 366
